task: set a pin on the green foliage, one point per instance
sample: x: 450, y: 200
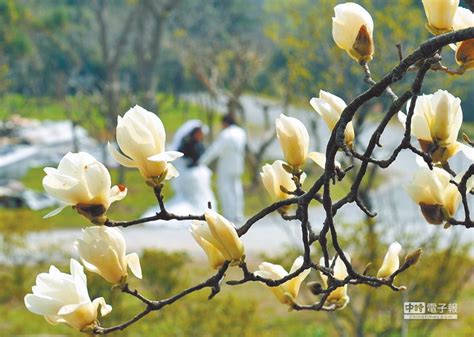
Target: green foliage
x: 161, y: 271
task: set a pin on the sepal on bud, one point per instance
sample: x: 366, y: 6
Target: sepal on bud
x: 434, y: 214
x: 315, y: 287
x: 363, y: 47
x: 465, y: 55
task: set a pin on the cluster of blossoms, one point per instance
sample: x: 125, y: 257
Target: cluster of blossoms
x: 436, y: 118
x: 84, y: 183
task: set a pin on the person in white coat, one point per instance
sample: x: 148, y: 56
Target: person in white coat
x: 229, y: 150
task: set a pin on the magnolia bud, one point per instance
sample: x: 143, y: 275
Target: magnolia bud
x: 218, y: 238
x: 102, y: 251
x: 413, y: 258
x: 330, y: 108
x: 433, y: 191
x: 390, y: 262
x: 294, y: 143
x: 352, y: 28
x: 294, y: 139
x: 141, y: 137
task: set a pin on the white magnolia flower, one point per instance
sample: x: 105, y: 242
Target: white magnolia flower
x: 436, y: 123
x: 141, y: 137
x: 464, y: 18
x: 440, y: 15
x: 63, y: 298
x: 288, y: 291
x: 339, y: 296
x: 102, y: 251
x: 330, y: 108
x: 391, y: 261
x: 218, y: 238
x: 437, y: 197
x: 294, y: 142
x: 274, y: 177
x: 83, y: 182
x: 352, y: 30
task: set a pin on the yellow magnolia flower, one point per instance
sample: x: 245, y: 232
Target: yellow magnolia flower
x: 84, y: 183
x: 294, y: 142
x: 141, y: 137
x: 63, y: 298
x: 437, y: 197
x: 274, y: 177
x: 339, y: 296
x: 218, y: 238
x: 102, y: 251
x: 288, y: 291
x: 436, y: 122
x: 440, y: 15
x: 330, y: 107
x: 352, y: 30
x: 391, y: 261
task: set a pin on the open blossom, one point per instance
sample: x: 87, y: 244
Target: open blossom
x: 84, y: 183
x: 352, y: 30
x: 339, y: 296
x: 288, y: 291
x: 141, y: 137
x: 440, y: 15
x: 294, y: 142
x: 330, y: 107
x: 437, y: 197
x: 102, y: 251
x: 63, y: 298
x: 391, y: 261
x: 435, y: 123
x: 218, y: 238
x: 274, y: 177
x: 464, y: 18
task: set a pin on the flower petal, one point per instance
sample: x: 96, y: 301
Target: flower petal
x: 133, y: 262
x: 105, y: 309
x: 319, y: 158
x: 55, y: 211
x: 165, y: 156
x: 120, y: 158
